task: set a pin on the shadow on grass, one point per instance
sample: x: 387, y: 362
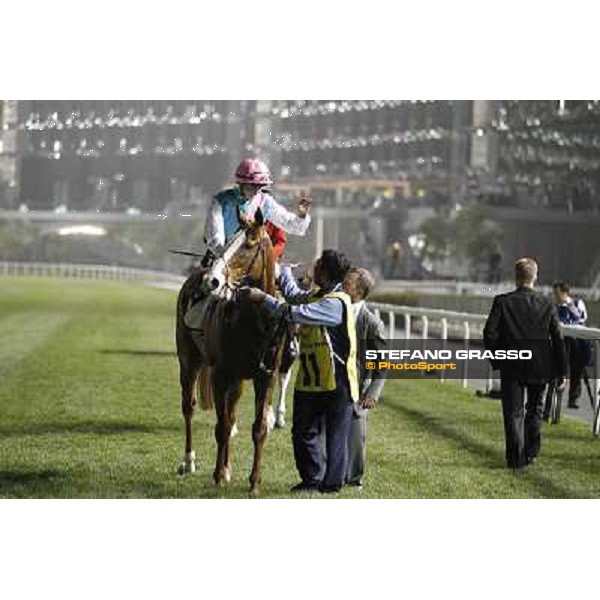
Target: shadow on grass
x: 86, y: 427
x: 133, y: 352
x: 492, y: 459
x: 24, y: 484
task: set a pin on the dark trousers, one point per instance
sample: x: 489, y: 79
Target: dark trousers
x: 522, y: 424
x: 319, y: 434
x: 357, y: 445
x: 577, y: 364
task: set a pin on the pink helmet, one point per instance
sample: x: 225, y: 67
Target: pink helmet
x: 253, y: 170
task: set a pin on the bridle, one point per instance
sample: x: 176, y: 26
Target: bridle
x: 260, y: 250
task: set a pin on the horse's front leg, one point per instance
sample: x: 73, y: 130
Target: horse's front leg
x: 226, y: 396
x: 262, y: 388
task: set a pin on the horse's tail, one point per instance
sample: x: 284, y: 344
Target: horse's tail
x: 205, y: 391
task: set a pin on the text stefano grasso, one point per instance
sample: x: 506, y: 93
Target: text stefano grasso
x: 448, y: 354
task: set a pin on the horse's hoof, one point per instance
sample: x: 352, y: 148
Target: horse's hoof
x: 222, y: 478
x: 234, y: 431
x: 227, y: 474
x: 187, y: 467
x: 254, y: 492
x: 280, y: 422
x: 188, y: 464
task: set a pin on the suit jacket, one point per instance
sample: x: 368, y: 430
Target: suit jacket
x: 369, y: 336
x: 526, y: 319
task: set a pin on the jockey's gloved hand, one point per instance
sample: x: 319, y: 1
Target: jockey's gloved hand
x: 251, y: 293
x: 303, y: 206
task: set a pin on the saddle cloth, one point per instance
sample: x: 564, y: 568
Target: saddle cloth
x: 203, y: 320
x: 195, y: 314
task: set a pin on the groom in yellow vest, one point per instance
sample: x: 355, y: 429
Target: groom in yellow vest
x: 327, y: 383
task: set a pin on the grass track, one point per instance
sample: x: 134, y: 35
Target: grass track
x: 89, y: 407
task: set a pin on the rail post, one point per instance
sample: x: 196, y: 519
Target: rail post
x: 489, y: 379
x: 407, y: 317
x: 391, y: 325
x: 467, y: 335
x: 444, y: 336
x: 596, y: 388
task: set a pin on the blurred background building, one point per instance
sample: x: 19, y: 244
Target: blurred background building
x: 116, y: 155
x: 413, y: 189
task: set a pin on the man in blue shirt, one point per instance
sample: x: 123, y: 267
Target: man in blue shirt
x: 327, y: 383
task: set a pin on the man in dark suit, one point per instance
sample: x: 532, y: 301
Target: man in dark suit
x: 358, y: 284
x: 525, y: 319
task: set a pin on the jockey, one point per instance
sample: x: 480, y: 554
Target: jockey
x: 252, y: 177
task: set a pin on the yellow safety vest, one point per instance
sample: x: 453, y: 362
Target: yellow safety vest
x: 317, y: 368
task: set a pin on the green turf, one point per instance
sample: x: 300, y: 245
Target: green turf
x: 89, y: 407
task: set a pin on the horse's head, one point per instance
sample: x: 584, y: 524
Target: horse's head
x: 254, y: 261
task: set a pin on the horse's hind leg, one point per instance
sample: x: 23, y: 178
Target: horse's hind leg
x: 290, y: 351
x: 262, y: 388
x: 189, y: 367
x: 276, y: 417
x: 284, y: 382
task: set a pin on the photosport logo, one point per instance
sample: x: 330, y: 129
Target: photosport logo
x: 452, y: 359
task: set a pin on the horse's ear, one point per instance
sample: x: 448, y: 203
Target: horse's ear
x: 259, y: 218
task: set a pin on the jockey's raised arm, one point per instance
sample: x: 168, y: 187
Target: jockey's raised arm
x: 290, y: 222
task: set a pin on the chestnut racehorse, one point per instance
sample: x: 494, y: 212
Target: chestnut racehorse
x: 238, y: 342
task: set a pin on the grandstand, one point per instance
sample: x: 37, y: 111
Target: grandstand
x: 396, y: 163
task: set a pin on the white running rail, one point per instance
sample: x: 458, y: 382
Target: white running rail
x: 88, y: 272
x: 468, y: 326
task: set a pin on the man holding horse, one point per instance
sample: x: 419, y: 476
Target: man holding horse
x: 327, y: 383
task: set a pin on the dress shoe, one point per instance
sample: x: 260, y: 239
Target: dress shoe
x: 329, y: 489
x: 355, y: 484
x: 305, y: 487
